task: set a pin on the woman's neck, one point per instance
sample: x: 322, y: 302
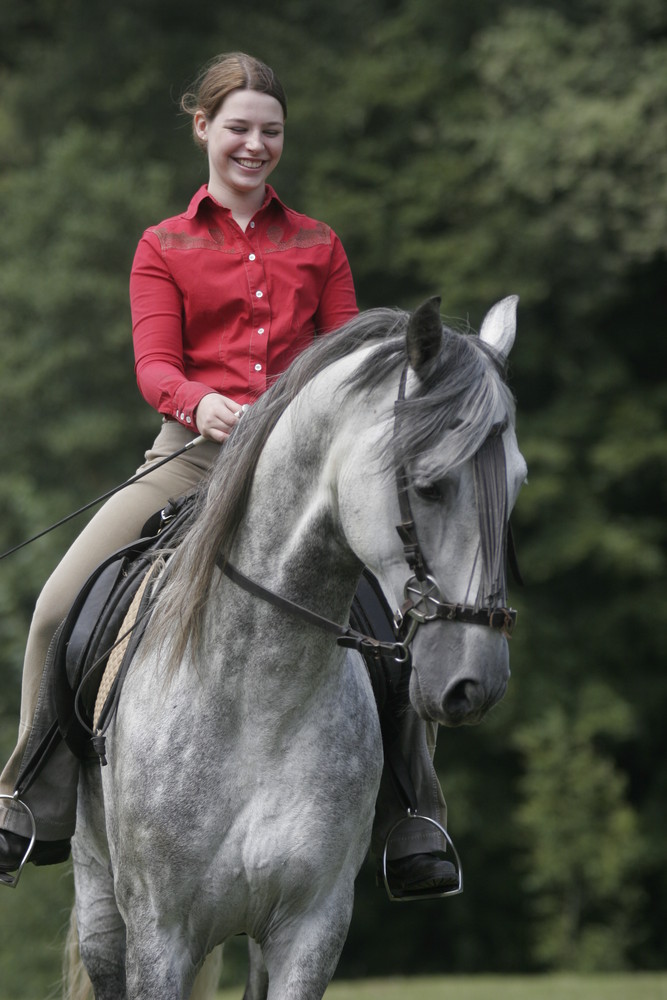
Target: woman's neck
x: 242, y: 205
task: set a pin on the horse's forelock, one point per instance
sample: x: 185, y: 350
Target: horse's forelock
x: 449, y: 415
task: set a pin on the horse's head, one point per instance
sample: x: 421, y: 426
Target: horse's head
x: 448, y: 483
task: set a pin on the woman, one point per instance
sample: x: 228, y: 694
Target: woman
x: 223, y: 297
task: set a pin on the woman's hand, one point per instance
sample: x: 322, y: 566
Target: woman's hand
x: 216, y: 416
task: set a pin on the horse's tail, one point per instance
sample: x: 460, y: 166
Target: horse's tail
x: 77, y: 985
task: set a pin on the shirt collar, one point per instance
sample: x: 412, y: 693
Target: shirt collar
x: 203, y: 195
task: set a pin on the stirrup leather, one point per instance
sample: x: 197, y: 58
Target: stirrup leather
x: 6, y: 878
x: 405, y: 896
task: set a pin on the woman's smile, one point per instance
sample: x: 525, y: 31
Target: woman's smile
x: 250, y: 164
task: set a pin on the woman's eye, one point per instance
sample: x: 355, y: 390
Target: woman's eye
x: 430, y: 491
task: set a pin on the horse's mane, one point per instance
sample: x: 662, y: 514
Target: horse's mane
x: 460, y: 395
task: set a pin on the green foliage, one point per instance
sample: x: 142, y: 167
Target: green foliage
x: 467, y: 149
x: 34, y: 919
x: 582, y: 836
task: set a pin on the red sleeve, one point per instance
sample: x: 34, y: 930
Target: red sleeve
x: 338, y: 302
x: 157, y: 330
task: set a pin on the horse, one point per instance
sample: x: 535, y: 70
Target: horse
x: 245, y: 756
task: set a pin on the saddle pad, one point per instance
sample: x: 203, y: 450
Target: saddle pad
x: 120, y: 647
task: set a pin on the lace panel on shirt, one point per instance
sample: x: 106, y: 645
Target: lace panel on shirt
x: 170, y: 240
x: 303, y: 239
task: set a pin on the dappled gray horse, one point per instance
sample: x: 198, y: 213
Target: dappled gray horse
x: 245, y: 756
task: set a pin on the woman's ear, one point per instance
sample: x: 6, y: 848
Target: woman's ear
x: 201, y: 125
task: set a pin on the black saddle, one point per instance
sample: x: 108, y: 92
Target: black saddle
x: 91, y: 630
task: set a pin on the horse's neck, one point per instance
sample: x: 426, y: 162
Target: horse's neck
x: 292, y: 542
x: 264, y: 662
x: 290, y: 539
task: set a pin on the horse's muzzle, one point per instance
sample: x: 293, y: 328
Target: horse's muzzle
x: 468, y: 702
x: 464, y: 703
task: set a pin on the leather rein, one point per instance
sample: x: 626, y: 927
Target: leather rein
x: 423, y: 598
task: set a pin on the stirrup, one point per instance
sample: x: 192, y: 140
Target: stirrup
x: 6, y: 878
x: 405, y: 896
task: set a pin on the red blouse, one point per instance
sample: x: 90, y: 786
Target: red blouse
x: 215, y: 309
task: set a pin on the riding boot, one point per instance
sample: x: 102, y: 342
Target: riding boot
x: 417, y: 745
x: 51, y: 793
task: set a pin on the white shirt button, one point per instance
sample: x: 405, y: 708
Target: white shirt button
x: 252, y: 225
x: 261, y: 330
x: 259, y: 294
x: 188, y: 420
x: 251, y: 257
x: 258, y: 368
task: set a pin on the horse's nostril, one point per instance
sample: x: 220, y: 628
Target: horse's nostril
x: 463, y: 699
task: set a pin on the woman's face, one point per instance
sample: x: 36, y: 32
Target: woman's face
x: 244, y: 142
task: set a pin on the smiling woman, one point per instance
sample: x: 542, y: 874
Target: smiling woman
x: 238, y: 109
x: 244, y: 142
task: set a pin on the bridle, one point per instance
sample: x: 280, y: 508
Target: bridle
x: 423, y: 599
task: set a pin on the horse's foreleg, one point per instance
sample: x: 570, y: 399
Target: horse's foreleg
x: 257, y: 984
x: 160, y: 963
x: 109, y: 976
x: 100, y: 927
x: 301, y: 956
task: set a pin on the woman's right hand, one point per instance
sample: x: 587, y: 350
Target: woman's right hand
x: 216, y: 416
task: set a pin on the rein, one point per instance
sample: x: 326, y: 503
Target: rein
x: 345, y: 635
x: 105, y: 496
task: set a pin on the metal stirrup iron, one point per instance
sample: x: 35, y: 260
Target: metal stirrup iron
x: 5, y: 877
x: 406, y: 896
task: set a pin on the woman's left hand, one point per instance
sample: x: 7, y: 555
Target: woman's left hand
x: 216, y: 416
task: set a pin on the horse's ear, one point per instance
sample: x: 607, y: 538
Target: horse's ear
x: 499, y: 326
x: 424, y: 335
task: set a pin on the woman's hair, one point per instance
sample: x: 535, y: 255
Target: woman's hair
x: 223, y: 74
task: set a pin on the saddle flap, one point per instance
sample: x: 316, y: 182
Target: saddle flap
x: 91, y: 628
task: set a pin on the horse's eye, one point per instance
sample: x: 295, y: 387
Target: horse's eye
x: 429, y: 491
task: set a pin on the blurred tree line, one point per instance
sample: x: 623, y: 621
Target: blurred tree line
x: 471, y: 149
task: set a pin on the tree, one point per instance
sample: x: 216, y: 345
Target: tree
x: 582, y: 837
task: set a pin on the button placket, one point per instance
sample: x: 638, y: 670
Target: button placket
x: 257, y: 355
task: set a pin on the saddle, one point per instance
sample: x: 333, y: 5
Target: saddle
x: 99, y: 627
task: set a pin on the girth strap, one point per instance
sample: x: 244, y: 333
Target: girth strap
x: 390, y: 682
